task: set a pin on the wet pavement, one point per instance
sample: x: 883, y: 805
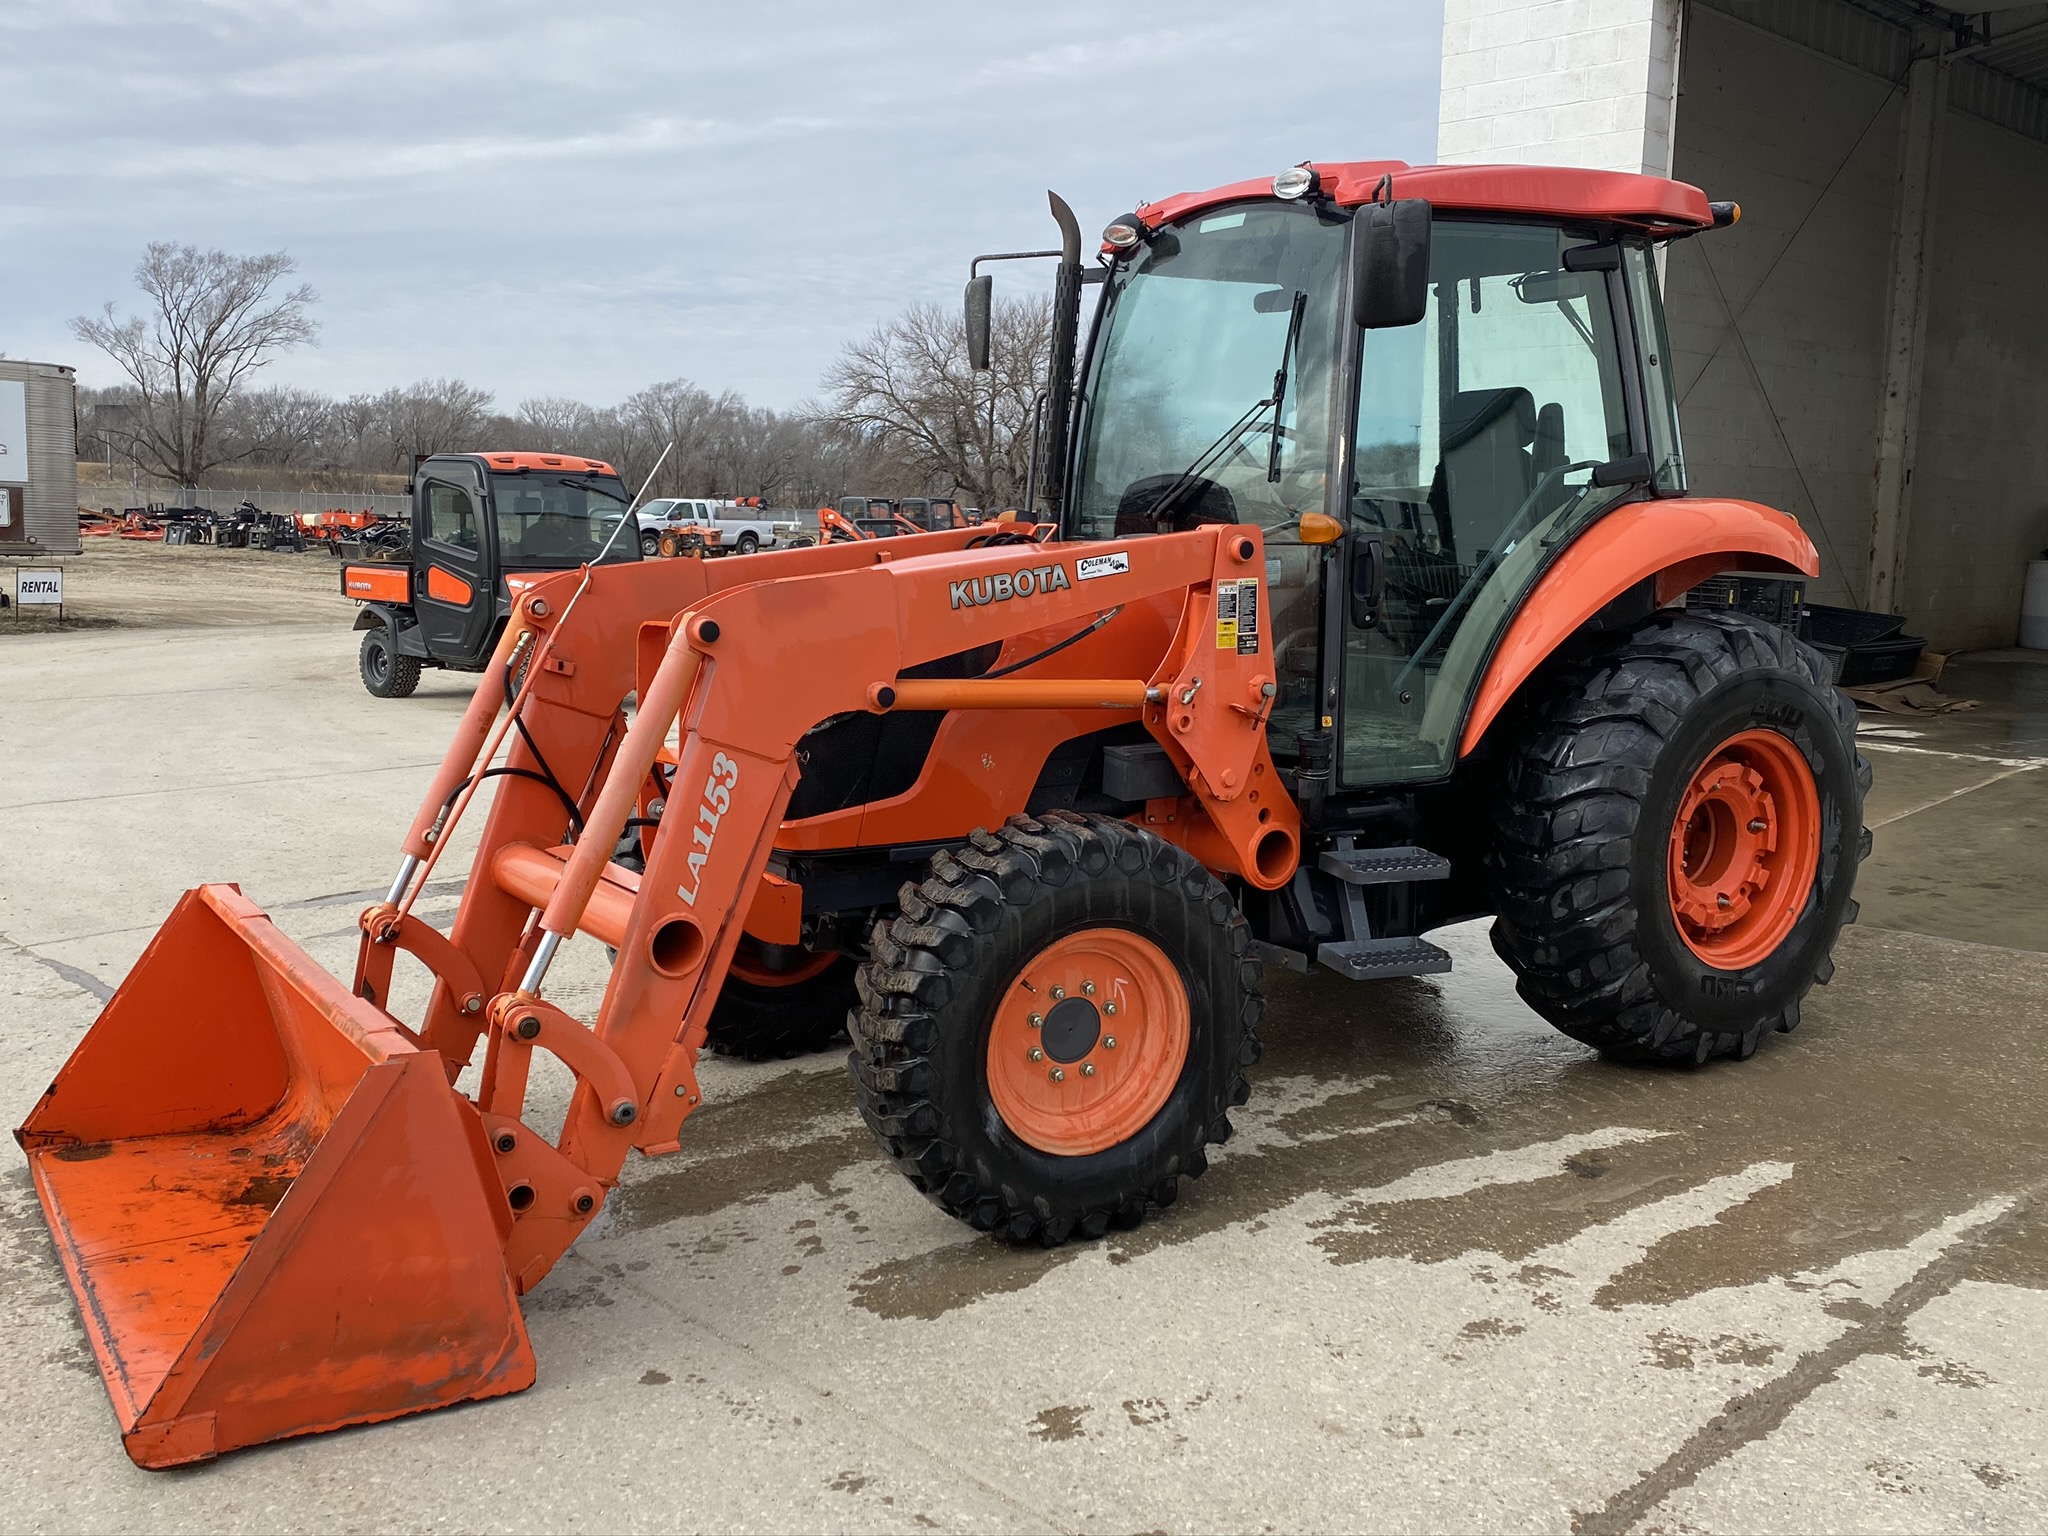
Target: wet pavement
x: 1454, y: 1271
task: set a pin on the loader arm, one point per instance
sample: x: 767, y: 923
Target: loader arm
x: 731, y: 667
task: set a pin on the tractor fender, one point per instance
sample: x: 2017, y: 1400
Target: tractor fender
x: 1678, y: 543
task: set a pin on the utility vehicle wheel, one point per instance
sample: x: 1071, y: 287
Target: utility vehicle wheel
x: 748, y: 543
x: 1678, y: 840
x: 386, y: 673
x: 650, y: 543
x: 779, y: 1002
x: 1056, y: 1025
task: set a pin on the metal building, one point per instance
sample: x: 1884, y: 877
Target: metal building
x: 1868, y: 349
x: 38, y: 459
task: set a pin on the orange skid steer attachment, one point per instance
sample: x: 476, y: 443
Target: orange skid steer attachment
x: 275, y: 1216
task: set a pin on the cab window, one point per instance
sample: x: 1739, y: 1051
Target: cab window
x: 451, y: 516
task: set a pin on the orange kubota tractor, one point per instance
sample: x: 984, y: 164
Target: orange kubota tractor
x: 1355, y: 617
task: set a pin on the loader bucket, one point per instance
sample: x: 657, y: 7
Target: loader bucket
x: 276, y: 1215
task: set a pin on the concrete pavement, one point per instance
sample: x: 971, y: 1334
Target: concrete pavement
x: 1454, y: 1271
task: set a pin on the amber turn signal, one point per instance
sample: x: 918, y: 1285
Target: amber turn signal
x: 1320, y: 528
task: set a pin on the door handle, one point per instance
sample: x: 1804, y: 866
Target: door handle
x: 1368, y: 580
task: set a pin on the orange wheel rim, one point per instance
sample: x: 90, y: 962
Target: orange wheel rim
x: 1744, y: 849
x: 751, y: 962
x: 1088, y: 1042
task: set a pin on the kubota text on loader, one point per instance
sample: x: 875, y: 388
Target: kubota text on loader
x: 1353, y: 618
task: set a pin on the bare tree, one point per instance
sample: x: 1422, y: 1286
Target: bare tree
x: 216, y: 319
x: 432, y: 416
x: 279, y: 425
x: 908, y: 388
x: 553, y: 423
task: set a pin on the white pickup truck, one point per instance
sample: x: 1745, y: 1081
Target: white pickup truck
x: 742, y: 526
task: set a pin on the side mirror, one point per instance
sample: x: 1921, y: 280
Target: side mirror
x: 1390, y: 272
x: 980, y: 298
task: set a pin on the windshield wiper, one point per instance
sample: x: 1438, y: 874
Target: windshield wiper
x: 1237, y: 429
x: 1300, y: 308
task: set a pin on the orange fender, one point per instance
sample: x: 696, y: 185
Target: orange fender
x: 1680, y: 542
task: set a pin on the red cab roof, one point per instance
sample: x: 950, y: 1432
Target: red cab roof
x: 567, y: 463
x: 1542, y: 191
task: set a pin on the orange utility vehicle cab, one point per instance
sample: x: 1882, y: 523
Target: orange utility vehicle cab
x: 1351, y: 614
x: 482, y: 525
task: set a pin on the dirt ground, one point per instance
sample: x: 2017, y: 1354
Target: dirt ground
x: 131, y: 584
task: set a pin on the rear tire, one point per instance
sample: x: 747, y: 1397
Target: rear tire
x: 385, y: 672
x: 748, y: 544
x: 1626, y: 926
x: 942, y: 1036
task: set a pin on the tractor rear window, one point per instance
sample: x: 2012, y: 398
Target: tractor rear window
x: 553, y: 521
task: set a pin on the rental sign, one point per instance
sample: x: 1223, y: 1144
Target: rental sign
x: 34, y: 589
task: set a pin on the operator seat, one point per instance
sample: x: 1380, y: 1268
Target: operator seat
x: 1487, y: 470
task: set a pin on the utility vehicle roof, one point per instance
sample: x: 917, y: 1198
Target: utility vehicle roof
x: 567, y: 463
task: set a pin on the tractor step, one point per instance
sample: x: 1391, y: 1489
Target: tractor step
x: 1375, y: 959
x: 1384, y: 866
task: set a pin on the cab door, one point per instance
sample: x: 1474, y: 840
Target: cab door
x: 1488, y: 434
x: 454, y: 588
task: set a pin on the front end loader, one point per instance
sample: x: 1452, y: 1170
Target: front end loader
x: 1366, y: 624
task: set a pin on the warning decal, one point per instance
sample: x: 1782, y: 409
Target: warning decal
x: 1237, y: 616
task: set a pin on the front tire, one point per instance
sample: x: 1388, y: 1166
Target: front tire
x: 386, y: 673
x: 1055, y: 1026
x: 650, y: 543
x: 779, y: 1002
x: 1678, y: 840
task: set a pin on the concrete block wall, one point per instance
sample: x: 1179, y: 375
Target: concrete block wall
x: 1558, y: 82
x: 1980, y: 478
x: 1784, y: 409
x: 1778, y: 324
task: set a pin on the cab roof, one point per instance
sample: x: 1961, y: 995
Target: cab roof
x: 566, y: 463
x: 1652, y: 203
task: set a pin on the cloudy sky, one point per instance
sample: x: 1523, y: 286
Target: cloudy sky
x: 580, y: 199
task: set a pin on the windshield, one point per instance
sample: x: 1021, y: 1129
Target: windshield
x: 555, y: 521
x: 1201, y: 329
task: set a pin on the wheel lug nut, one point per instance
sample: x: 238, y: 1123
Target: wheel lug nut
x: 1034, y: 1054
x: 1035, y: 1020
x: 1724, y: 901
x: 1087, y: 989
x: 1058, y: 993
x: 1758, y: 825
x: 1057, y: 1075
x: 1109, y: 1042
x: 1087, y: 1069
x: 1110, y: 1009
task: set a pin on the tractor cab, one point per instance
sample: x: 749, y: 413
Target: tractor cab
x: 481, y: 522
x: 1421, y: 398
